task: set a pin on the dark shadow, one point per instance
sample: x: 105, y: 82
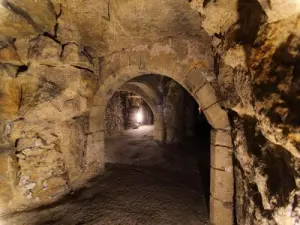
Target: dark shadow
x: 251, y: 17
x: 203, y: 139
x: 198, y: 145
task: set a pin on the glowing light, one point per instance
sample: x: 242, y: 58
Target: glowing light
x: 139, y: 116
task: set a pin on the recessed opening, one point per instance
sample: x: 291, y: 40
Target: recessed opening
x: 160, y: 140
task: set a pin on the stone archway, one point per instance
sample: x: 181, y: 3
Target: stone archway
x: 194, y: 73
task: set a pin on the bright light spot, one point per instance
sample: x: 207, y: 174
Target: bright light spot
x: 139, y: 116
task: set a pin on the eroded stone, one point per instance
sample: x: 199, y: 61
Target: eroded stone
x: 221, y: 183
x: 221, y: 137
x: 206, y: 96
x: 221, y: 213
x: 217, y: 117
x: 221, y: 158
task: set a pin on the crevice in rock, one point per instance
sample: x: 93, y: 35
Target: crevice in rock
x: 57, y: 24
x: 87, y: 54
x: 223, y: 146
x: 206, y: 2
x: 223, y: 170
x: 48, y: 65
x: 198, y: 88
x: 16, y: 142
x: 108, y: 10
x: 211, y: 105
x: 224, y: 202
x: 22, y: 69
x: 53, y: 37
x: 82, y: 68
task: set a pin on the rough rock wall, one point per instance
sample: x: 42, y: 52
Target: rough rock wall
x: 256, y: 45
x: 173, y: 111
x: 114, y: 115
x: 267, y: 177
x: 46, y: 91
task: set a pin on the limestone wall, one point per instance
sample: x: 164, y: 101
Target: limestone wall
x: 256, y: 46
x: 46, y: 91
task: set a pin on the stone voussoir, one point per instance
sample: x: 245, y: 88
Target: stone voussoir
x: 195, y: 80
x: 221, y: 184
x: 206, y: 96
x: 217, y: 117
x: 221, y: 213
x: 221, y: 158
x: 221, y: 137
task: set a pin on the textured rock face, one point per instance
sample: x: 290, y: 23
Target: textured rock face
x: 43, y: 122
x: 99, y: 25
x: 267, y: 178
x: 256, y: 44
x: 114, y: 115
x: 102, y: 27
x: 173, y: 112
x: 276, y: 82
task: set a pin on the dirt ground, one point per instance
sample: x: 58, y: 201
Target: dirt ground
x: 144, y: 183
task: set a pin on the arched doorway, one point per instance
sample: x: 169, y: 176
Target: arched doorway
x: 196, y: 77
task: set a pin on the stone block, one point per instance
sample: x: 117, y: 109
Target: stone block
x: 195, y: 80
x: 179, y: 73
x: 95, y: 153
x: 217, y: 117
x: 8, y: 175
x: 95, y: 137
x: 206, y: 96
x: 221, y: 137
x: 98, y: 136
x: 96, y: 120
x: 100, y: 100
x: 221, y: 158
x: 221, y: 185
x: 158, y: 135
x: 221, y: 213
x: 10, y: 95
x: 161, y: 64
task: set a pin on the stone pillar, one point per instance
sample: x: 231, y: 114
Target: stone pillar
x: 221, y: 178
x: 94, y: 157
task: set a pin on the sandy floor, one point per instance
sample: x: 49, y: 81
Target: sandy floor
x: 145, y: 183
x: 136, y: 147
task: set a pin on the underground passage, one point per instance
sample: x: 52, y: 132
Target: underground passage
x: 150, y: 112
